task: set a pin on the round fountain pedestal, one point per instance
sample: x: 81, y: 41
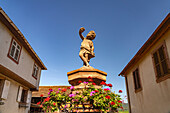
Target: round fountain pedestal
x: 83, y: 73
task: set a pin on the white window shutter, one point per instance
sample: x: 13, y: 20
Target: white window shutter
x: 29, y: 96
x: 19, y: 94
x: 5, y: 89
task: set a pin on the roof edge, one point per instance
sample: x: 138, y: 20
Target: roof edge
x: 146, y: 46
x: 27, y: 45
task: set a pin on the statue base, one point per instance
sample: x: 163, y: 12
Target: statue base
x: 83, y: 73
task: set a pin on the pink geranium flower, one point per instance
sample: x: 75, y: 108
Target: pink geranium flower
x: 72, y: 87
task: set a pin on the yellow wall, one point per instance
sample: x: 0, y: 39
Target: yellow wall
x: 10, y: 104
x: 154, y: 97
x: 24, y: 69
x: 26, y: 62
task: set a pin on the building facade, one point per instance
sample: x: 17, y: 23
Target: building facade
x: 20, y: 68
x: 147, y: 75
x: 43, y: 90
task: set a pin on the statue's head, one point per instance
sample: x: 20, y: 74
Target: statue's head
x: 91, y: 35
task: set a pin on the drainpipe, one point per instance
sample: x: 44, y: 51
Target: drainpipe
x: 127, y: 88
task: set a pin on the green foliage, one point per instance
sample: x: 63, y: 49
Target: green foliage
x: 123, y: 111
x: 101, y: 98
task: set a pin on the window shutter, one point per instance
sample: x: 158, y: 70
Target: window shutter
x: 19, y: 93
x: 29, y: 97
x: 5, y: 89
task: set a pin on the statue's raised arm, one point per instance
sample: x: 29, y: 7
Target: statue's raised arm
x: 82, y: 29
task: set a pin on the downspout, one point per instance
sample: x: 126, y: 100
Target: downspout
x: 127, y: 88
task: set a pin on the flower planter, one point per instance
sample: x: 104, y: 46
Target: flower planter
x: 88, y: 99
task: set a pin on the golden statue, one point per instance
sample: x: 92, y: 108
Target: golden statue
x: 87, y: 48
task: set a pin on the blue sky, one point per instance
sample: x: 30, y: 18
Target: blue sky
x: 51, y: 27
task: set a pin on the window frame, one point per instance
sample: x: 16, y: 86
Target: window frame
x: 35, y: 65
x: 9, y: 51
x: 138, y: 80
x: 165, y: 76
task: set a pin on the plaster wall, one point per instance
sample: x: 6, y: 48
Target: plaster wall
x: 10, y: 104
x: 154, y: 97
x: 25, y: 66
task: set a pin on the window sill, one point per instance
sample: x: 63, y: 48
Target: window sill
x: 138, y: 90
x: 21, y: 104
x: 1, y: 103
x: 160, y: 79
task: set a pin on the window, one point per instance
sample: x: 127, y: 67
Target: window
x: 136, y: 79
x: 35, y: 71
x: 24, y: 96
x: 161, y: 62
x: 14, y: 51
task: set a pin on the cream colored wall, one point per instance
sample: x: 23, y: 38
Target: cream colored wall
x: 11, y: 105
x: 26, y: 62
x: 154, y: 97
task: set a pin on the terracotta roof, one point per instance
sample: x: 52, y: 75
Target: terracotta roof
x: 17, y: 33
x: 45, y: 89
x: 165, y: 24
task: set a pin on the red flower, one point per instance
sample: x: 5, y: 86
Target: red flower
x: 96, y: 91
x: 93, y: 83
x: 68, y: 87
x: 103, y: 83
x: 79, y: 81
x: 112, y: 103
x: 64, y: 90
x: 106, y: 89
x: 91, y: 80
x: 121, y: 107
x: 89, y: 77
x: 41, y: 95
x: 120, y: 91
x: 50, y: 89
x: 110, y: 85
x: 54, y: 104
x: 38, y: 103
x: 47, y: 99
x: 107, y: 97
x: 119, y: 101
